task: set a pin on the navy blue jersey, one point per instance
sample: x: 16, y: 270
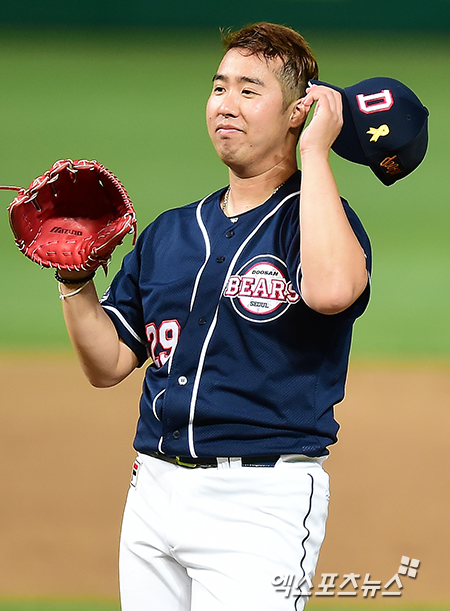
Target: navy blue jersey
x: 240, y: 365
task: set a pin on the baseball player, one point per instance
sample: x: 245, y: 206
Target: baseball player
x: 242, y: 306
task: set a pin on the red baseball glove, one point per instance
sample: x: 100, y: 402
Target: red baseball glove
x: 72, y: 217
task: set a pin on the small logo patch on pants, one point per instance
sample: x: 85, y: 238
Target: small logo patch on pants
x: 135, y: 472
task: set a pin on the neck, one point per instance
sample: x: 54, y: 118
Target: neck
x: 246, y: 193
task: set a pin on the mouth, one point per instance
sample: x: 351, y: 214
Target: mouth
x: 227, y: 130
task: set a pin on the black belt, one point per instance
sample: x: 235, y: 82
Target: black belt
x: 193, y: 463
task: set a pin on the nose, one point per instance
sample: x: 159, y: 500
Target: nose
x: 228, y: 106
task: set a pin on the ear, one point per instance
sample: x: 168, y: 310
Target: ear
x: 298, y: 114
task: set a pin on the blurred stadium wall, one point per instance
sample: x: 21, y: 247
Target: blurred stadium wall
x: 373, y: 15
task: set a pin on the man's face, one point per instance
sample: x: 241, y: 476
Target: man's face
x: 244, y: 114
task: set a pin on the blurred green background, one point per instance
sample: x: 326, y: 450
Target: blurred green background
x: 134, y: 99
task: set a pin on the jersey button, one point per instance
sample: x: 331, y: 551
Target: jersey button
x: 220, y: 259
x: 202, y: 321
x: 182, y: 380
x: 176, y: 434
x: 229, y: 234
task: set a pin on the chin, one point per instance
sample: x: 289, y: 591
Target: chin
x: 230, y: 155
x: 227, y: 157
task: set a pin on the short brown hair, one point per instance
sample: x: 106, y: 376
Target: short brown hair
x: 273, y: 41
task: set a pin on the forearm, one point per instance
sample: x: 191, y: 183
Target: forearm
x: 333, y: 263
x: 104, y: 359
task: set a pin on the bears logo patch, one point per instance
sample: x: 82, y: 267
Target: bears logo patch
x: 260, y: 291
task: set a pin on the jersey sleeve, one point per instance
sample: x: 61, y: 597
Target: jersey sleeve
x: 357, y: 308
x: 122, y: 302
x: 294, y: 263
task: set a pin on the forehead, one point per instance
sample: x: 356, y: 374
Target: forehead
x: 238, y: 64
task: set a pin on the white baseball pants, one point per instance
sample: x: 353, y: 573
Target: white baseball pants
x: 221, y: 538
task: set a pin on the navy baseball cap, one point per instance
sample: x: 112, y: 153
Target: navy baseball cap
x: 385, y: 127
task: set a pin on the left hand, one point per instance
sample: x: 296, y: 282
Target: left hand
x: 327, y: 120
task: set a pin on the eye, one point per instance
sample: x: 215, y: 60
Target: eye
x: 218, y: 89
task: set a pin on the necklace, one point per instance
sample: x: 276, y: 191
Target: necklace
x: 225, y: 199
x: 227, y: 195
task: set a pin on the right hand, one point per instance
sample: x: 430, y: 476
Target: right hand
x: 327, y: 120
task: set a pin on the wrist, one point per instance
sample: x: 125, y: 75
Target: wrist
x: 315, y: 153
x: 73, y: 278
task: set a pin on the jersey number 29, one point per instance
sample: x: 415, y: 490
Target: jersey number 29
x: 163, y: 338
